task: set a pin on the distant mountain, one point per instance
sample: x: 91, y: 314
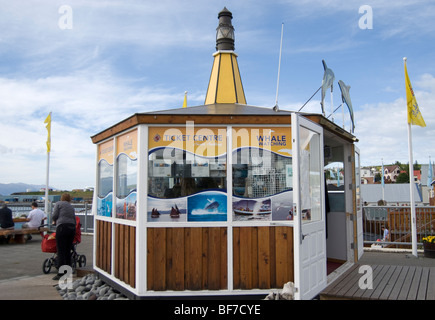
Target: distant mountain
x: 9, y: 188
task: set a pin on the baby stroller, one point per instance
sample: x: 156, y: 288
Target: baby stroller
x: 49, y: 245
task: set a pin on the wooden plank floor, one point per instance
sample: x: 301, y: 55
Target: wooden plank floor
x: 389, y: 283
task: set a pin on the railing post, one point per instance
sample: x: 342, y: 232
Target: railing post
x: 86, y: 217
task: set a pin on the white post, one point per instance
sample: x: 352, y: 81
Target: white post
x: 382, y: 181
x: 46, y: 187
x: 48, y: 126
x: 279, y: 68
x: 411, y: 191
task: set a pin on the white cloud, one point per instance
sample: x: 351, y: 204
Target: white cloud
x: 82, y: 104
x: 382, y: 127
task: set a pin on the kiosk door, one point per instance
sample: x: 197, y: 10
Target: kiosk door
x: 309, y: 219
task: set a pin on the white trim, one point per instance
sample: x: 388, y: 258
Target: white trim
x: 297, y: 212
x: 141, y: 219
x: 230, y: 262
x: 94, y: 207
x: 113, y: 217
x: 224, y: 51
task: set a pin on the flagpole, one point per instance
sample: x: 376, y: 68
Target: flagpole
x: 411, y: 184
x: 383, y: 181
x: 48, y: 126
x: 411, y: 192
x: 429, y: 179
x: 46, y: 183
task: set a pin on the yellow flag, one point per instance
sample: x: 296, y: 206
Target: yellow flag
x: 414, y: 114
x: 48, y: 126
x: 185, y: 100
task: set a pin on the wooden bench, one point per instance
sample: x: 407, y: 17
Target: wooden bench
x: 19, y: 234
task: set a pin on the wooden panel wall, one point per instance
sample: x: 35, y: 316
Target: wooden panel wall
x: 104, y: 245
x: 263, y: 257
x: 186, y: 258
x: 125, y: 253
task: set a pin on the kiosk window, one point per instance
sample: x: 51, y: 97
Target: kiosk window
x: 105, y: 181
x: 127, y: 176
x: 260, y: 173
x: 334, y: 173
x: 174, y: 173
x: 105, y: 189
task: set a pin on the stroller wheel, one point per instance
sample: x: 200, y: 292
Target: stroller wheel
x: 82, y: 260
x: 73, y: 265
x: 46, y: 266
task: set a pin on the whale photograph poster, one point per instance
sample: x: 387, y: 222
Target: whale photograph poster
x: 203, y: 206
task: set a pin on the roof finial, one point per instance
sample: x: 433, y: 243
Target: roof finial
x: 225, y: 31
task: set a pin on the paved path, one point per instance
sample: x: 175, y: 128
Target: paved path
x: 21, y: 276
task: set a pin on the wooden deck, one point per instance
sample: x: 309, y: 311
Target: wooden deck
x: 389, y: 283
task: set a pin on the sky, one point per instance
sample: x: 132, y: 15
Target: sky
x: 94, y: 63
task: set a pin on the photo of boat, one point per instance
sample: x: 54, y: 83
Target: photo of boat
x: 155, y: 213
x: 251, y: 207
x: 175, y: 212
x: 167, y: 210
x: 243, y: 210
x: 265, y: 209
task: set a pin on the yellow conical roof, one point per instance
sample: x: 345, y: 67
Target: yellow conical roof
x: 225, y: 85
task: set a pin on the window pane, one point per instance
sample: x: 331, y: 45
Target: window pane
x: 126, y: 187
x: 334, y: 174
x: 126, y: 179
x: 311, y: 200
x: 262, y: 174
x: 105, y: 188
x: 187, y: 175
x: 127, y: 176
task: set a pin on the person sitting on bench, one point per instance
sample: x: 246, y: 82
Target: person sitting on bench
x: 6, y: 221
x: 35, y: 217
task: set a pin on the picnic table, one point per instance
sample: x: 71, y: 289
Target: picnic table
x: 19, y: 234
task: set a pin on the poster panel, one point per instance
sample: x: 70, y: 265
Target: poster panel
x: 126, y: 182
x: 262, y: 174
x: 187, y: 174
x: 105, y: 179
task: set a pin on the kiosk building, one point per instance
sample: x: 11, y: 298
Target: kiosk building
x: 224, y: 198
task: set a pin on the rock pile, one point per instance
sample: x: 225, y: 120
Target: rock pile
x: 90, y: 288
x: 287, y: 293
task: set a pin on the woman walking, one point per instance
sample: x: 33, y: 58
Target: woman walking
x: 64, y: 217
